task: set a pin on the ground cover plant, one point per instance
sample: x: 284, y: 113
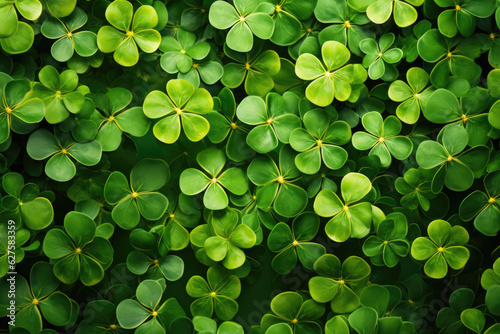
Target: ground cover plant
x: 250, y: 166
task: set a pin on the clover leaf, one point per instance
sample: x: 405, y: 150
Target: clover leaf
x: 183, y: 104
x: 290, y: 308
x: 68, y: 40
x: 380, y: 57
x: 483, y: 207
x: 450, y: 58
x: 449, y: 318
x: 181, y: 213
x: 217, y: 293
x: 20, y: 111
x: 61, y: 151
x: 22, y: 237
x: 29, y: 9
x: 443, y: 107
x: 254, y: 68
x: 348, y: 25
x: 276, y: 186
x: 462, y: 17
x: 113, y: 120
x: 77, y: 252
x: 82, y: 128
x: 99, y: 315
x: 415, y: 186
x: 179, y: 54
x: 38, y: 300
x: 443, y: 247
x: 58, y: 93
x: 224, y: 124
x: 390, y: 244
x: 153, y: 266
x: 209, y: 326
x: 246, y: 19
x: 349, y: 218
x: 380, y: 11
x: 339, y: 284
x: 455, y: 168
x: 224, y: 237
x: 141, y: 196
x: 209, y: 70
x: 320, y: 141
x: 287, y: 19
x: 24, y: 204
x: 294, y: 243
x: 146, y: 313
x: 272, y: 123
x: 212, y: 160
x: 329, y: 79
x: 413, y: 95
x: 127, y: 31
x: 382, y: 138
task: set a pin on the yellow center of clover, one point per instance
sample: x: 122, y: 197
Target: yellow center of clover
x: 492, y: 36
x: 35, y: 301
x: 441, y: 249
x: 247, y: 66
x: 58, y: 93
x: 214, y: 180
x: 457, y: 7
x: 347, y: 24
x: 113, y: 326
x: 269, y: 121
x: 156, y: 262
x: 183, y: 52
x: 172, y: 216
x: 135, y: 194
x: 411, y: 302
x: 64, y: 151
x: 111, y: 118
x: 281, y: 179
x: 386, y: 242
x: 491, y: 200
x: 203, y: 11
x: 78, y: 250
x: 295, y: 243
x: 254, y: 197
x: 294, y: 321
x: 449, y: 158
x: 130, y: 33
x: 465, y: 118
x: 233, y: 125
x: 448, y: 55
x: 155, y: 313
x: 327, y: 74
x: 21, y: 203
x: 319, y: 142
x: 242, y: 19
x: 309, y: 30
x: 70, y: 34
x: 346, y: 208
x: 212, y: 294
x: 381, y: 139
x: 178, y: 111
x: 278, y: 8
x: 8, y: 110
x: 341, y: 281
x: 195, y: 65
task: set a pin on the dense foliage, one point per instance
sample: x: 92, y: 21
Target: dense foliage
x: 250, y: 166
